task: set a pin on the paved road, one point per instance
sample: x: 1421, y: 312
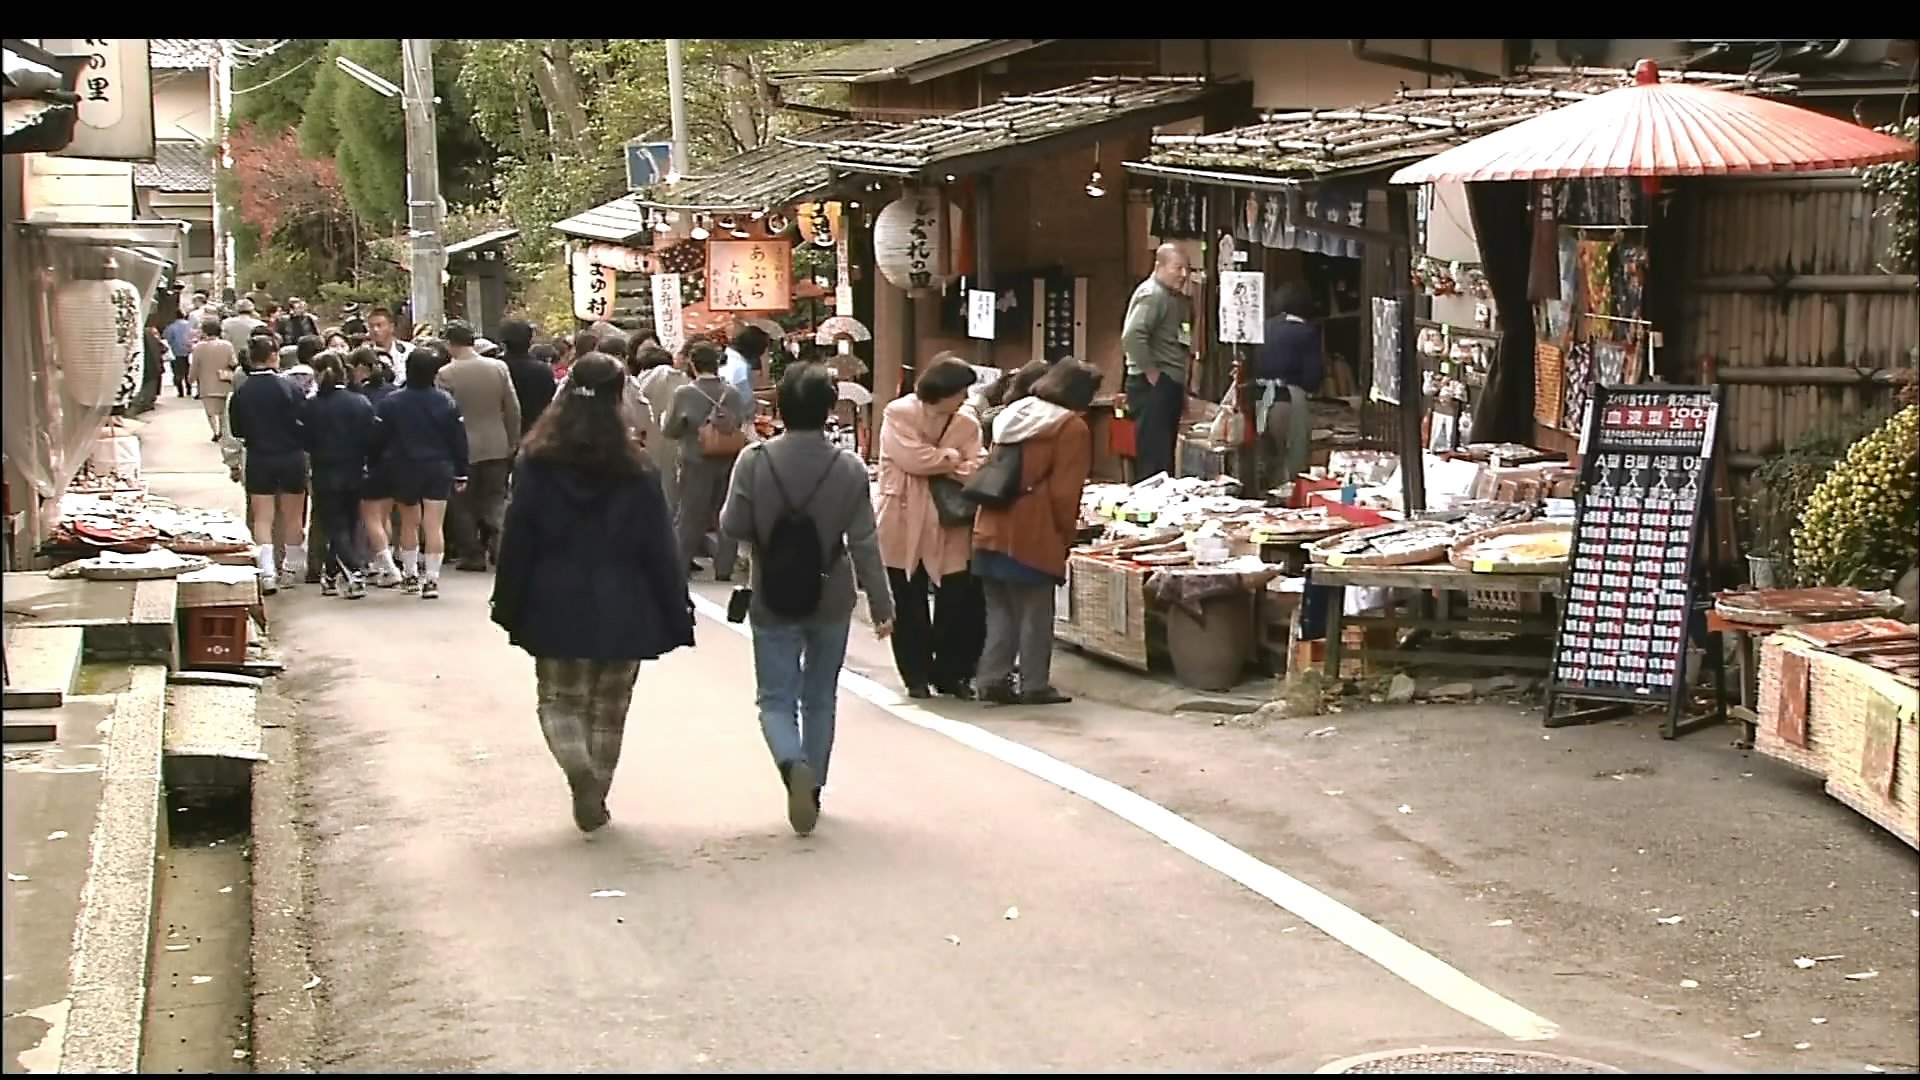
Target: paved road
x: 455, y: 928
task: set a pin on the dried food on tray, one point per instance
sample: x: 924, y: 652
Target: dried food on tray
x: 1784, y: 607
x: 1283, y: 526
x: 1535, y: 547
x: 1401, y: 543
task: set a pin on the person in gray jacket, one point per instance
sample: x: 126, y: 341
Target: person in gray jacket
x: 706, y: 401
x: 796, y: 661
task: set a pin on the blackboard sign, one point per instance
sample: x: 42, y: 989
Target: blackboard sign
x: 1646, y: 468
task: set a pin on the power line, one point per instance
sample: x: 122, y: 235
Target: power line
x: 262, y: 86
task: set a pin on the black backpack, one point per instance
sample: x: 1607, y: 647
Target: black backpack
x: 794, y: 570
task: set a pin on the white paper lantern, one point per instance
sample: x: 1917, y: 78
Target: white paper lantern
x: 97, y: 329
x: 913, y: 240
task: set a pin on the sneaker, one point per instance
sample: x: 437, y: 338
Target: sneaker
x: 288, y: 579
x: 268, y: 584
x: 803, y: 812
x: 329, y: 586
x: 356, y: 587
x: 429, y: 588
x: 409, y: 583
x: 386, y: 579
x: 999, y: 693
x: 1048, y: 696
x: 959, y: 689
x: 589, y: 807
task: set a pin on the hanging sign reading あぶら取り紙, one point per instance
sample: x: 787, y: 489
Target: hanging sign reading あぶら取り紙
x: 1243, y: 307
x: 749, y: 275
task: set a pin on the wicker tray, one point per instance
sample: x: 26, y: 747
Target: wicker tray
x: 1847, y: 693
x: 205, y: 547
x: 91, y: 570
x: 1435, y: 539
x: 1107, y: 610
x: 1463, y: 556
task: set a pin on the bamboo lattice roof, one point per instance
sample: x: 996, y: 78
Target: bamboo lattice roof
x: 1416, y: 124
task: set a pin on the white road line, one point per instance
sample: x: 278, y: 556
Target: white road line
x: 1417, y: 967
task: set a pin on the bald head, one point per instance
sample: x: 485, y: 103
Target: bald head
x: 1170, y: 267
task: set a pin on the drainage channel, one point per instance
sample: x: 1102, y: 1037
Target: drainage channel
x: 199, y: 998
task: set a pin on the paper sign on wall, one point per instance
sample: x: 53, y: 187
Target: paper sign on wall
x: 667, y: 323
x: 1243, y: 307
x: 749, y: 275
x: 594, y: 288
x: 980, y: 314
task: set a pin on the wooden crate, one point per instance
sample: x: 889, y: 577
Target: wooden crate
x: 1106, y: 610
x: 1871, y: 771
x: 215, y: 636
x: 1776, y: 712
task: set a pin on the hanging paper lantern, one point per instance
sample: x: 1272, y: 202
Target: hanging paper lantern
x: 819, y: 222
x: 97, y: 328
x: 913, y: 240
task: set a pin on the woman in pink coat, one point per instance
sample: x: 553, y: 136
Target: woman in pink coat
x: 923, y: 437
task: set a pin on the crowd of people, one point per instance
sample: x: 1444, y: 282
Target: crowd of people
x: 593, y: 474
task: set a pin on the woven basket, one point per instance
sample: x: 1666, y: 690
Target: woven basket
x: 1108, y: 610
x: 1843, y: 692
x: 1321, y: 552
x: 1766, y: 736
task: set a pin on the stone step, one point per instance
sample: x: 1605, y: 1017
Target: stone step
x: 123, y: 620
x: 212, y: 738
x: 43, y: 663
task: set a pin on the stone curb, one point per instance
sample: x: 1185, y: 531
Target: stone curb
x: 112, y: 937
x: 285, y: 1015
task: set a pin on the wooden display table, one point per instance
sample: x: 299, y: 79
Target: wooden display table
x: 1444, y: 581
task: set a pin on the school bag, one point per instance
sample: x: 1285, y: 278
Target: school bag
x: 793, y: 568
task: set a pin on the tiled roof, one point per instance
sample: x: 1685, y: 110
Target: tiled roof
x: 1018, y: 120
x: 775, y: 175
x: 179, y: 165
x: 1416, y: 124
x: 615, y: 222
x: 178, y: 54
x: 880, y: 59
x: 485, y: 239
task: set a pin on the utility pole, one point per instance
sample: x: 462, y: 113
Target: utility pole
x: 222, y: 76
x: 677, y: 97
x: 423, y: 183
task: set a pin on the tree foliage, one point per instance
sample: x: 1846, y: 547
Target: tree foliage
x: 277, y: 183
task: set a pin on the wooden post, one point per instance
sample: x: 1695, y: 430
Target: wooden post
x: 983, y: 256
x: 1413, y: 473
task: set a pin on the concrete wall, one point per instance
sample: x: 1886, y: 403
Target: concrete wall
x: 182, y: 105
x: 78, y: 189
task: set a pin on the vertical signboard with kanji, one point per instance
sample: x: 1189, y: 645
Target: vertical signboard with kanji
x: 1243, y: 307
x: 1646, y: 471
x: 980, y: 310
x: 749, y: 275
x: 595, y: 289
x: 668, y: 325
x: 115, y: 115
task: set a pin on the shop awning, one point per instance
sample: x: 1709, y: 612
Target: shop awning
x: 1659, y: 127
x: 616, y: 222
x: 1287, y: 148
x: 40, y: 104
x: 1015, y: 126
x: 772, y: 177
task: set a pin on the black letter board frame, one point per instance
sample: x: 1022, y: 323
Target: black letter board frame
x: 1627, y: 432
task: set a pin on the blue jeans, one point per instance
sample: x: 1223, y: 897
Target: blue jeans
x: 797, y: 667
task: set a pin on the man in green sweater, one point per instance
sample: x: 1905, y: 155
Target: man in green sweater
x: 1158, y: 340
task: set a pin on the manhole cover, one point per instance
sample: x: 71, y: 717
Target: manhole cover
x: 1448, y: 1060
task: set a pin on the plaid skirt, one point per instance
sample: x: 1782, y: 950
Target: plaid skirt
x: 583, y: 713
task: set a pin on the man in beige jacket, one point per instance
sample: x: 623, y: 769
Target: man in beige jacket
x: 210, y: 367
x: 483, y: 388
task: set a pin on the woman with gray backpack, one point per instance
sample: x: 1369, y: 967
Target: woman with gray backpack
x: 708, y: 419
x: 803, y: 504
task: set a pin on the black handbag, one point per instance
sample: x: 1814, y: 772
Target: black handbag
x: 998, y: 481
x: 949, y: 495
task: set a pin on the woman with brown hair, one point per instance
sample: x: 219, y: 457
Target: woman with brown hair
x: 927, y: 437
x: 590, y: 580
x: 1020, y: 548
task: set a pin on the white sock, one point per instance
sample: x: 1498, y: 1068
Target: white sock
x: 297, y: 558
x: 408, y: 560
x: 434, y: 559
x: 263, y: 557
x: 384, y: 561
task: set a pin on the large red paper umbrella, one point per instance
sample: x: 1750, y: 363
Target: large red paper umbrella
x: 1655, y: 128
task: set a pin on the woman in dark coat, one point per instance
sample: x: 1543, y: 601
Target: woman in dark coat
x: 590, y: 580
